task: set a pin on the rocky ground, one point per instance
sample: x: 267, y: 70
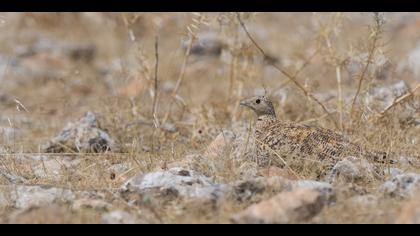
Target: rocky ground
x: 135, y: 118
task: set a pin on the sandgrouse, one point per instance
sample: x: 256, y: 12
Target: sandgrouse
x: 277, y: 139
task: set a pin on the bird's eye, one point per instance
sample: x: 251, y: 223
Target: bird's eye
x: 258, y: 101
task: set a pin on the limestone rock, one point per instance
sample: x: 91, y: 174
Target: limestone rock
x: 352, y: 169
x: 82, y: 136
x: 176, y: 182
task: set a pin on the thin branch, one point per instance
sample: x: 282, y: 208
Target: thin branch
x: 192, y: 37
x: 376, y: 36
x: 284, y: 72
x: 337, y: 65
x: 155, y: 94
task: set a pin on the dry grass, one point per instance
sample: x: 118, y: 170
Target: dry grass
x: 297, y: 58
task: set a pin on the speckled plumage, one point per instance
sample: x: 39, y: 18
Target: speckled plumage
x: 276, y: 139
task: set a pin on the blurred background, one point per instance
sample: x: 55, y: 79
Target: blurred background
x: 56, y: 66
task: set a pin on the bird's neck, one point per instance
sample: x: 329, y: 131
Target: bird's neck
x: 265, y: 120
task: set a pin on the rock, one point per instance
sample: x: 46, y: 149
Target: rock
x: 410, y: 212
x: 248, y: 189
x: 324, y: 189
x: 118, y: 217
x: 220, y: 145
x: 243, y: 145
x: 207, y: 44
x: 395, y: 171
x: 176, y: 182
x: 352, y: 169
x: 82, y: 136
x: 295, y: 206
x: 26, y: 196
x: 402, y: 185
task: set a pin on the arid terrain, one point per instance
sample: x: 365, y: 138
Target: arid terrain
x: 136, y: 117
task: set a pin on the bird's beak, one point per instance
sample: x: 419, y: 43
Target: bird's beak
x: 244, y: 103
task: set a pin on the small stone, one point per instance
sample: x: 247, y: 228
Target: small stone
x: 402, y: 185
x: 295, y: 206
x: 350, y: 170
x: 395, y: 171
x: 82, y: 136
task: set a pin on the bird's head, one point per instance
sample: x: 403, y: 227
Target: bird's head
x: 261, y: 105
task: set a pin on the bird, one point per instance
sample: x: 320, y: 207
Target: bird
x: 278, y: 139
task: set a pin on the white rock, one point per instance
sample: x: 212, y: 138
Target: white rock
x: 176, y: 181
x: 82, y: 136
x: 352, y: 169
x: 402, y: 185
